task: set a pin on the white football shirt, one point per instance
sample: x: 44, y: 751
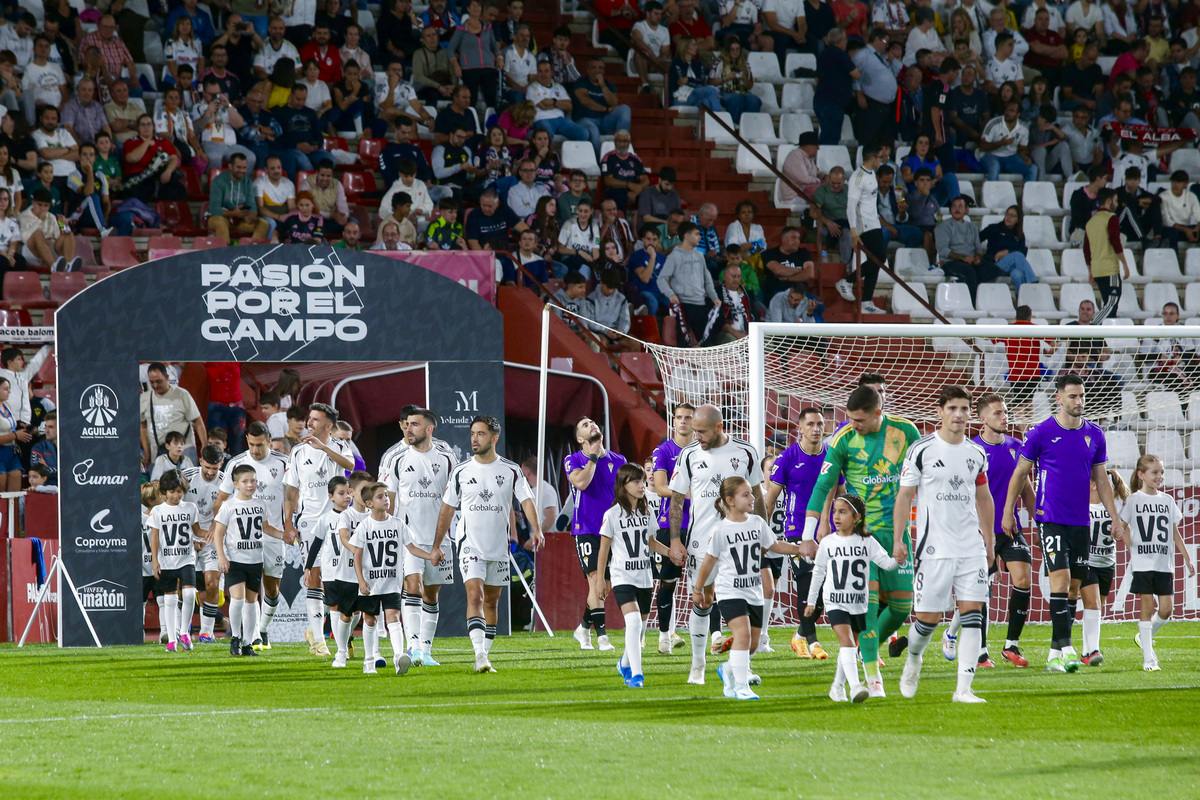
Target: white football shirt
x: 629, y: 554
x: 174, y: 526
x: 269, y: 490
x: 203, y: 494
x: 1103, y: 551
x: 309, y: 471
x: 382, y: 559
x: 243, y: 521
x: 738, y: 548
x: 485, y: 495
x: 347, y: 521
x: 699, y: 473
x: 147, y: 558
x: 946, y: 476
x: 419, y: 482
x: 1152, y: 520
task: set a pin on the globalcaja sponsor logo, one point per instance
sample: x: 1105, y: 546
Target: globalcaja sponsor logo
x: 98, y: 405
x: 876, y: 480
x: 103, y: 595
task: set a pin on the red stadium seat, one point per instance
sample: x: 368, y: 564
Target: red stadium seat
x: 119, y: 252
x: 24, y: 290
x: 191, y: 179
x: 165, y: 243
x: 47, y: 317
x: 65, y: 285
x: 335, y: 143
x: 14, y: 318
x: 426, y: 146
x: 46, y: 376
x: 645, y: 327
x: 260, y: 173
x: 304, y: 175
x: 207, y: 242
x: 177, y: 218
x: 365, y: 226
x: 642, y: 367
x: 213, y: 172
x: 369, y: 150
x: 252, y: 240
x: 357, y: 182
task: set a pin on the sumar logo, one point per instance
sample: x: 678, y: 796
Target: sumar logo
x: 98, y: 404
x: 102, y: 595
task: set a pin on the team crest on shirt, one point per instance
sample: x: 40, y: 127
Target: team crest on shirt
x: 1012, y: 451
x: 485, y: 495
x: 970, y: 466
x: 1087, y: 440
x: 500, y: 481
x: 436, y: 468
x: 734, y: 462
x: 274, y: 473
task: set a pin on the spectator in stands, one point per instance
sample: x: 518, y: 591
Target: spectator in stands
x: 876, y: 90
x: 795, y: 304
x: 852, y: 16
x: 228, y: 83
x: 1005, y: 145
x: 329, y: 197
x: 431, y: 72
x: 686, y: 281
x: 835, y: 87
x: 963, y: 28
x: 1132, y: 153
x: 730, y: 320
x: 351, y: 99
x: 1183, y: 105
x: 710, y: 237
x: 657, y: 201
x: 45, y: 452
x: 164, y: 409
x: 596, y: 106
x: 1024, y: 361
x: 322, y: 50
x: 552, y: 105
x: 614, y: 228
x: 398, y: 31
x: 651, y: 45
x: 998, y: 27
x: 1082, y: 81
x: 559, y: 57
x: 1141, y: 212
x: 688, y: 83
x: 610, y: 312
x: 182, y: 48
x: 922, y: 209
x: 1083, y: 142
x: 82, y: 116
x: 1083, y: 202
x: 90, y: 198
x: 735, y: 79
x: 275, y: 49
x: 829, y: 209
x: 441, y: 19
x: 20, y: 373
x: 893, y: 212
x: 300, y: 147
x: 1047, y: 49
x: 1103, y: 251
x: 10, y: 178
x: 923, y: 36
x: 520, y: 65
x: 118, y: 61
x: 12, y: 437
x: 892, y: 17
x: 573, y: 298
x: 1170, y: 359
x: 45, y: 180
x: 910, y: 104
x: 1006, y: 248
x: 405, y: 149
x: 1180, y: 211
x: 219, y: 123
x: 800, y: 168
x: 397, y: 98
x: 668, y: 232
x: 241, y: 41
x: 261, y: 129
x: 523, y: 197
x: 454, y: 166
x: 10, y: 236
x: 787, y: 264
x: 689, y: 22
x: 303, y: 226
x: 645, y: 265
x: 526, y: 255
x: 275, y: 194
x: 579, y: 239
x: 457, y: 114
x: 624, y: 175
x: 56, y: 145
x: 570, y: 199
x: 1129, y: 61
x: 945, y: 186
x: 121, y: 113
x: 1085, y: 357
x: 318, y: 97
x: 42, y: 234
x: 389, y: 238
x: 475, y: 56
x: 399, y: 214
x: 107, y: 162
x: 492, y: 225
x: 232, y: 204
x: 351, y: 236
x: 422, y: 202
x: 517, y: 121
x: 545, y: 223
x: 960, y: 250
x: 1004, y: 67
x: 745, y: 232
x: 1048, y: 143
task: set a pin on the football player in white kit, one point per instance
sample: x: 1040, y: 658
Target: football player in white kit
x: 269, y: 468
x: 699, y: 470
x: 484, y: 487
x: 416, y: 483
x: 317, y: 458
x: 204, y: 486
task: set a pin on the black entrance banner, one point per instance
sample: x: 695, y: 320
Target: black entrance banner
x: 260, y: 303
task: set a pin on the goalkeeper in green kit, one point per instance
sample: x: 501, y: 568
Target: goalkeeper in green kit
x: 869, y: 452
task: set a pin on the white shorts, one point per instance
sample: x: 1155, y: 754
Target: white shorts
x: 307, y: 528
x: 492, y: 573
x: 695, y: 557
x: 430, y: 575
x: 273, y: 556
x: 936, y: 578
x: 206, y: 559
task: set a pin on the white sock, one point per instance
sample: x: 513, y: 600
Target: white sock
x: 698, y: 628
x: 489, y: 638
x: 1146, y: 629
x: 170, y: 622
x: 739, y: 662
x: 847, y: 667
x: 235, y: 617
x: 955, y: 624
x: 315, y: 606
x: 370, y: 642
x: 158, y: 598
x: 249, y: 617
x: 396, y: 634
x: 208, y: 619
x: 428, y: 627
x: 1091, y: 630
x: 919, y: 636
x: 477, y: 640
x: 1157, y: 622
x: 633, y: 642
x: 969, y: 640
x: 768, y: 603
x: 269, y: 606
x: 189, y: 606
x: 411, y: 615
x: 341, y: 633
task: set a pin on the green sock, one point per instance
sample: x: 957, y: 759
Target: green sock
x: 892, y: 617
x: 868, y: 640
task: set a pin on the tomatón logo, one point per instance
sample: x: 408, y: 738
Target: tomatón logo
x: 103, y: 595
x: 252, y: 301
x: 99, y: 405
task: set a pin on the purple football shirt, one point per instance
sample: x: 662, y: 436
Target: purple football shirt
x: 797, y: 472
x: 1002, y: 462
x: 664, y: 459
x: 1064, y: 460
x: 597, y: 498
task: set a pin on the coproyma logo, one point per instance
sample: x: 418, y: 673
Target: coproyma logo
x: 99, y: 405
x: 102, y: 595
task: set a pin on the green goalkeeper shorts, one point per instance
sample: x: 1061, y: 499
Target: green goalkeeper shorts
x: 893, y: 580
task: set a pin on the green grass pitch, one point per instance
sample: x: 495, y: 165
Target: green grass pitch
x: 556, y: 722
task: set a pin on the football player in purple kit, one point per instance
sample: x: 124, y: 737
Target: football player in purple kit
x: 1003, y: 454
x: 795, y: 473
x: 1069, y: 452
x: 592, y: 472
x: 665, y: 570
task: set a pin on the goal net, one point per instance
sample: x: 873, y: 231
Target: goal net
x: 1143, y: 391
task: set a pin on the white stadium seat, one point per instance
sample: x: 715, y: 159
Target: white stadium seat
x: 1168, y: 446
x: 795, y: 61
x: 766, y: 93
x: 1042, y: 261
x: 1071, y: 295
x: 998, y: 196
x: 1161, y: 264
x: 1039, y: 232
x: 1040, y: 299
x: 1188, y: 160
x: 904, y: 303
x: 1164, y: 411
x: 758, y: 128
x: 1074, y: 267
x: 765, y: 67
x: 747, y: 163
x: 798, y: 97
x: 1123, y: 450
x: 834, y: 155
x: 1156, y: 295
x: 1128, y: 306
x: 1191, y: 299
x: 1040, y: 197
x: 581, y: 156
x: 792, y: 125
x: 715, y: 132
x: 994, y: 299
x: 954, y: 299
x: 1192, y: 262
x: 782, y: 153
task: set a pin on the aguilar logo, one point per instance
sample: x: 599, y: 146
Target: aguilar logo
x: 98, y: 404
x: 83, y: 476
x: 102, y: 595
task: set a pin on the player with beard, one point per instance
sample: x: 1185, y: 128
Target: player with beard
x: 204, y: 487
x: 666, y: 571
x: 416, y: 483
x: 317, y: 458
x: 269, y: 467
x: 592, y: 472
x: 713, y: 457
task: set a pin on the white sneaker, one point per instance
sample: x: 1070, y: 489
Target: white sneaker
x: 726, y: 675
x: 870, y: 308
x: 754, y: 680
x: 482, y: 664
x: 369, y: 667
x: 875, y: 687
x: 846, y: 289
x: 402, y: 661
x: 718, y: 639
x: 1137, y: 639
x: 677, y: 640
x: 745, y: 694
x: 696, y: 676
x: 604, y: 643
x: 1151, y: 665
x: 837, y: 692
x: 584, y: 637
x: 339, y: 660
x: 911, y: 676
x: 967, y: 697
x: 858, y: 693
x: 764, y: 644
x: 949, y: 646
x: 664, y: 644
x: 418, y: 658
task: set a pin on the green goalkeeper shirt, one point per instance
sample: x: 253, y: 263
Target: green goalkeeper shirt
x: 871, y: 465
